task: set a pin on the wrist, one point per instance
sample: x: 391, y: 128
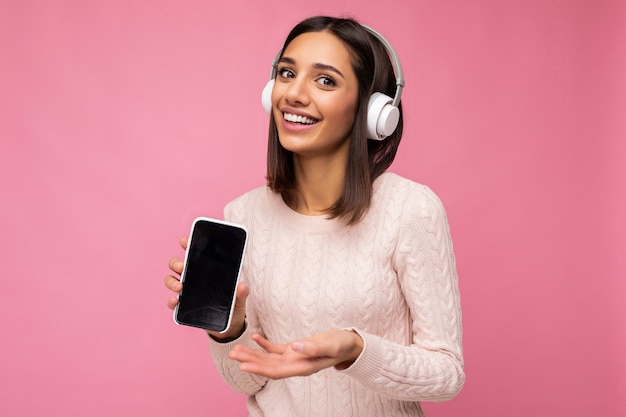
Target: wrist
x: 355, y: 351
x: 231, y: 335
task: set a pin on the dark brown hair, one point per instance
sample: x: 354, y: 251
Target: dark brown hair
x: 367, y: 159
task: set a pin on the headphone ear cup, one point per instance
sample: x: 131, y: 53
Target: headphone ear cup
x: 266, y: 96
x: 382, y: 116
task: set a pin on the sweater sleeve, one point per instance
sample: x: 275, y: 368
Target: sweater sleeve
x: 239, y: 381
x: 431, y: 367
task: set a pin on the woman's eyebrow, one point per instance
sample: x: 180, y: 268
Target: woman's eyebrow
x: 320, y: 66
x: 326, y: 67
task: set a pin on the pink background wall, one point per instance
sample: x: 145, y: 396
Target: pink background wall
x: 120, y: 121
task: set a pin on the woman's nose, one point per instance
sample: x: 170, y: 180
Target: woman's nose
x: 297, y: 92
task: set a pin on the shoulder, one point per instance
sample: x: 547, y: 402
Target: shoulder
x: 235, y: 210
x: 393, y: 190
x: 407, y: 208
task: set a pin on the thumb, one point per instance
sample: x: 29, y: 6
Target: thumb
x: 306, y: 347
x: 241, y: 295
x: 242, y: 292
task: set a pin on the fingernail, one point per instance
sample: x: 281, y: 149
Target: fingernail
x: 297, y: 346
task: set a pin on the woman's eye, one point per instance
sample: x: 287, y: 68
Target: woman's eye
x: 326, y: 81
x: 286, y: 73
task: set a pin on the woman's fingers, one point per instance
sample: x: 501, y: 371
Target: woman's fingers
x: 269, y: 346
x: 276, y: 360
x: 173, y: 284
x: 176, y: 265
x: 172, y: 302
x: 302, y: 357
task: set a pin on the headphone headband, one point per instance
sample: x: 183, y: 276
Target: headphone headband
x: 395, y: 61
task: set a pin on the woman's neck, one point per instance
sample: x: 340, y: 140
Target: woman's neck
x: 319, y: 184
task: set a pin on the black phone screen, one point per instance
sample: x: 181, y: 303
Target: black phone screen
x: 213, y: 261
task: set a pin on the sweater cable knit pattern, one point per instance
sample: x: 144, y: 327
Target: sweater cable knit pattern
x: 391, y: 278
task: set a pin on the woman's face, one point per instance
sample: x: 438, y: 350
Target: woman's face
x: 315, y: 95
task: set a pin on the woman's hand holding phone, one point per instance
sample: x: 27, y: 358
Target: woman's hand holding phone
x: 238, y: 323
x: 172, y: 282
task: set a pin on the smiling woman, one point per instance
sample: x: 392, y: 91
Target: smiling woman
x: 349, y: 278
x: 358, y: 52
x: 316, y: 83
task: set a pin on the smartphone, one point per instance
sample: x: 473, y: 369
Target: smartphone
x: 213, y: 260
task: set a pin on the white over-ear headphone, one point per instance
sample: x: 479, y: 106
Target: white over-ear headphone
x: 382, y: 111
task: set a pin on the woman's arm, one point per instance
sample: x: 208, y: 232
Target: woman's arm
x: 431, y: 368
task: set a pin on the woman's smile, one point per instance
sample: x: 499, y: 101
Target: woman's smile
x: 295, y: 121
x: 295, y: 118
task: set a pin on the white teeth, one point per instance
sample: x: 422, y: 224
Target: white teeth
x: 294, y: 118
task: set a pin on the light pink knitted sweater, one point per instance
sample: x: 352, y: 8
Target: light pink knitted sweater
x: 392, y: 278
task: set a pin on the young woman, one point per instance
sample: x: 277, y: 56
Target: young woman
x: 349, y: 304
